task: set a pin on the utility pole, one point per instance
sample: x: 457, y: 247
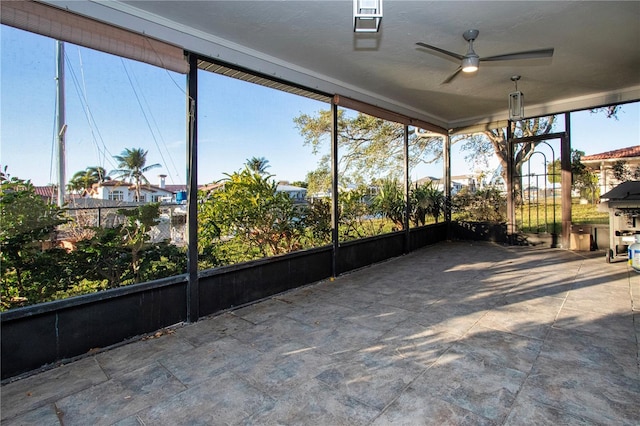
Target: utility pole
x: 62, y: 127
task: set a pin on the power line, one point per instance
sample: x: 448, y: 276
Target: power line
x: 93, y: 126
x: 144, y: 114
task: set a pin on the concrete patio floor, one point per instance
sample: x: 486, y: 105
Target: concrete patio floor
x: 456, y: 333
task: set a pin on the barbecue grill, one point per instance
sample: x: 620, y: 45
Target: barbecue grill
x: 623, y: 205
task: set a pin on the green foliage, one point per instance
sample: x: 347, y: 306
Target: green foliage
x: 484, y: 205
x: 83, y: 287
x: 258, y: 165
x: 35, y: 268
x: 426, y: 200
x: 84, y: 179
x: 247, y: 218
x: 132, y: 167
x: 356, y: 218
x: 28, y: 227
x: 369, y: 147
x: 317, y: 221
x: 125, y: 255
x: 390, y: 202
x: 319, y: 181
x: 622, y: 172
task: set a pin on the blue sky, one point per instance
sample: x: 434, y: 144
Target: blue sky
x: 133, y: 105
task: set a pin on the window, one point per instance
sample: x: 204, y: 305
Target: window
x: 116, y: 195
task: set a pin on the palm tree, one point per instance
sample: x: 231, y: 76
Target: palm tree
x: 426, y: 199
x: 131, y: 167
x: 258, y: 165
x: 85, y: 179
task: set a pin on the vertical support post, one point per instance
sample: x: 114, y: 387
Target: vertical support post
x: 565, y: 165
x: 193, y: 288
x: 407, y: 201
x: 334, y: 188
x: 446, y: 153
x: 511, y: 223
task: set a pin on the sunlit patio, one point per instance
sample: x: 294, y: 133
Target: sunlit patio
x: 455, y: 333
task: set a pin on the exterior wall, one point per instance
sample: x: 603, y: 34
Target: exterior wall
x: 102, y: 192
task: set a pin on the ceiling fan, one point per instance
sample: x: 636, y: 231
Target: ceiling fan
x: 471, y: 61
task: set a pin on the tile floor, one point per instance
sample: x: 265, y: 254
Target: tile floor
x: 456, y: 333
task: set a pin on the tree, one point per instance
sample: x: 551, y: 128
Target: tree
x: 124, y: 254
x: 258, y: 165
x: 611, y: 111
x: 248, y: 218
x: 554, y: 168
x: 494, y: 141
x: 369, y: 147
x: 28, y: 261
x: 132, y: 166
x: 390, y: 203
x: 622, y: 172
x: 84, y: 180
x: 484, y: 205
x: 319, y: 181
x: 426, y: 200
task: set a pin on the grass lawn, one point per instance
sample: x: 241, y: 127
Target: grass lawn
x: 532, y: 218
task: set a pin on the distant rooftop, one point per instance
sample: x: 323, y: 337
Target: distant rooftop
x: 617, y: 154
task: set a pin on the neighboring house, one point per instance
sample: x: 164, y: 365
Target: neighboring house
x: 547, y: 190
x: 296, y: 193
x: 602, y: 164
x: 115, y: 192
x: 438, y: 183
x: 120, y: 191
x: 50, y: 193
x: 457, y: 183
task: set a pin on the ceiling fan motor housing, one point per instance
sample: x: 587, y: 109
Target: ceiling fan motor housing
x: 470, y: 35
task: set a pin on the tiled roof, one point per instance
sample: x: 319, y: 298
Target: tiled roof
x: 632, y: 151
x: 50, y: 192
x: 175, y: 188
x: 45, y: 191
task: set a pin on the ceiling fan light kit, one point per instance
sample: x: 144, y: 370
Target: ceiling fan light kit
x: 367, y: 15
x: 470, y: 63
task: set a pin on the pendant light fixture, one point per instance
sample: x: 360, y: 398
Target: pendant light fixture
x: 367, y: 15
x: 516, y: 102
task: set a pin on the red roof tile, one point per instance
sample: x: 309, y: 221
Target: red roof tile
x: 45, y: 191
x: 632, y: 151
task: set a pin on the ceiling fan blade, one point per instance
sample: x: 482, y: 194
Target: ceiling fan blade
x: 531, y: 54
x: 452, y: 76
x: 445, y: 52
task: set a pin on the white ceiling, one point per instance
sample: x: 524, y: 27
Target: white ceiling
x: 596, y: 60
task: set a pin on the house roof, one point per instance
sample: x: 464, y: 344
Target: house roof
x: 175, y: 188
x: 290, y: 188
x: 45, y: 191
x: 50, y: 192
x: 616, y: 154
